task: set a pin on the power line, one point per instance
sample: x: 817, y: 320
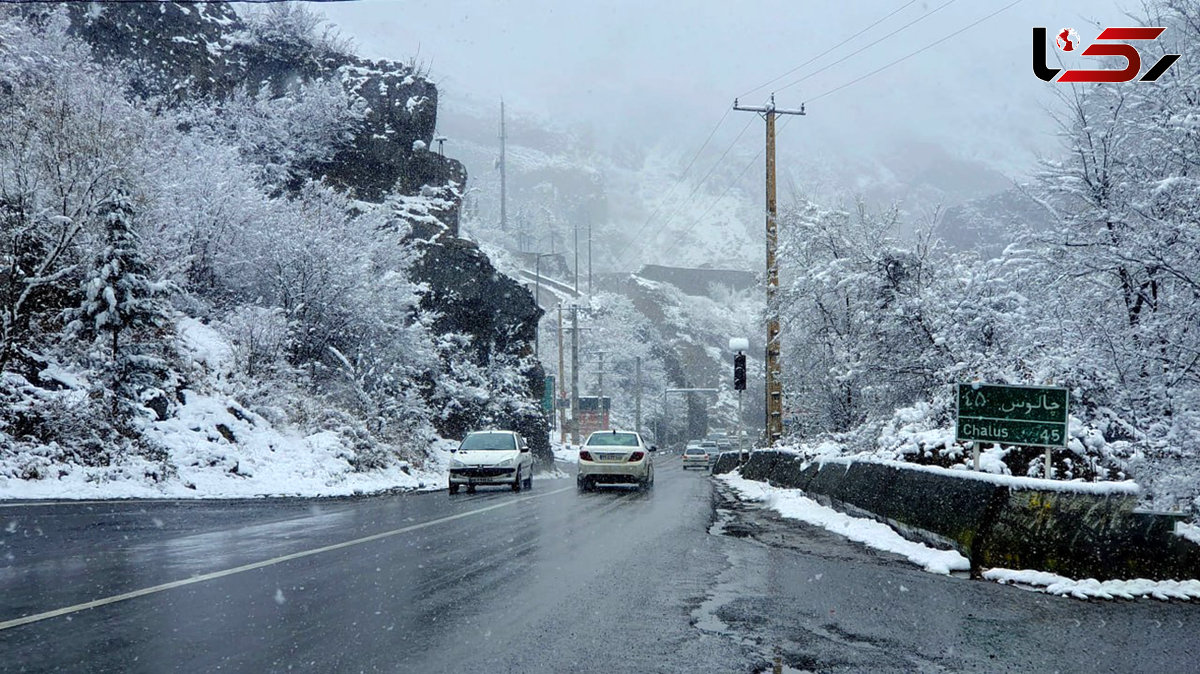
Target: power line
x: 712, y: 168
x: 869, y: 45
x: 695, y: 189
x: 695, y: 223
x: 730, y: 186
x: 922, y: 49
x: 879, y: 21
x: 679, y: 181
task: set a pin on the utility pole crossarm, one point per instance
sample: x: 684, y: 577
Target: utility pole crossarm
x: 763, y: 109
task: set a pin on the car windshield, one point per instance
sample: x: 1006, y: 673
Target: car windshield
x: 613, y: 440
x: 498, y: 441
x: 694, y: 450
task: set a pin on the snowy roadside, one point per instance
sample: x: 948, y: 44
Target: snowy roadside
x: 565, y: 458
x: 792, y: 504
x: 315, y: 467
x: 564, y: 453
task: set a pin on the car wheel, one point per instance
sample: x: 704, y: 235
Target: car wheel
x: 453, y: 488
x: 584, y: 484
x: 529, y: 480
x: 517, y: 481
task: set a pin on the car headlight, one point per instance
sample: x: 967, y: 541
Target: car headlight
x: 455, y: 463
x: 508, y: 463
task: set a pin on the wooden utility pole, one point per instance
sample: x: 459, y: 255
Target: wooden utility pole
x: 503, y: 168
x: 575, y: 374
x: 774, y: 388
x: 562, y: 384
x: 637, y: 396
x: 600, y: 374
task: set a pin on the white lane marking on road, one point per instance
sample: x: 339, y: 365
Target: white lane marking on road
x: 17, y: 622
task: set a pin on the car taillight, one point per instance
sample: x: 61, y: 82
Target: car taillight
x: 584, y: 455
x: 636, y: 456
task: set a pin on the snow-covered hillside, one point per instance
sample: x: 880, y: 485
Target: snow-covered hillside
x: 213, y: 446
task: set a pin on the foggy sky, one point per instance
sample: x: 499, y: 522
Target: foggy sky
x: 666, y: 71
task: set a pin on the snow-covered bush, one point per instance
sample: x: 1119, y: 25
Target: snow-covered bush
x: 283, y: 135
x: 290, y: 31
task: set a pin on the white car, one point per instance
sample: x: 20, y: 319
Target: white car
x: 696, y: 456
x: 615, y: 457
x: 491, y: 458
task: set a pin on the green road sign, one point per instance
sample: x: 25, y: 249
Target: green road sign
x: 548, y: 395
x: 1012, y: 415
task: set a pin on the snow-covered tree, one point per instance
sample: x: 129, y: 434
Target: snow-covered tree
x: 123, y: 311
x: 63, y: 142
x: 860, y: 337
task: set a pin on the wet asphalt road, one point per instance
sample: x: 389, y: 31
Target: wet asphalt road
x: 679, y: 579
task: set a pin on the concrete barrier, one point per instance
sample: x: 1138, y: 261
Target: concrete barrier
x: 1016, y: 524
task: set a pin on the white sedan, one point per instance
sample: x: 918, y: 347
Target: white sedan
x: 615, y: 457
x: 695, y: 457
x: 491, y: 457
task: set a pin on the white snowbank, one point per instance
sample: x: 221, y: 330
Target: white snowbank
x: 1091, y: 588
x: 791, y: 503
x: 1189, y: 531
x: 1011, y: 481
x: 565, y: 453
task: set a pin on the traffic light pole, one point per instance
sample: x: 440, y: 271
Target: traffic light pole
x: 741, y: 449
x: 739, y: 383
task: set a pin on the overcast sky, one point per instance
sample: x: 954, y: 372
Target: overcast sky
x: 668, y: 69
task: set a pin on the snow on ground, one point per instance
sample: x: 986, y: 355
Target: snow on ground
x: 1188, y: 531
x: 792, y: 503
x: 1011, y: 481
x: 264, y: 461
x: 216, y: 448
x: 565, y: 456
x: 567, y: 453
x: 1090, y: 588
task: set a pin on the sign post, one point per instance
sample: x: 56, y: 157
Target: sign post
x: 1012, y: 415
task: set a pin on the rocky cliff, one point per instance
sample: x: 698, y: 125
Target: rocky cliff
x: 184, y: 52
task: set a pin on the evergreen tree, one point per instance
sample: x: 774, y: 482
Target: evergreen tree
x: 122, y: 306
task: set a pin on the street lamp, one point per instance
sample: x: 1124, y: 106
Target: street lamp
x: 537, y: 298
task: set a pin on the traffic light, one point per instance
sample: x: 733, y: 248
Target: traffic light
x: 739, y: 372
